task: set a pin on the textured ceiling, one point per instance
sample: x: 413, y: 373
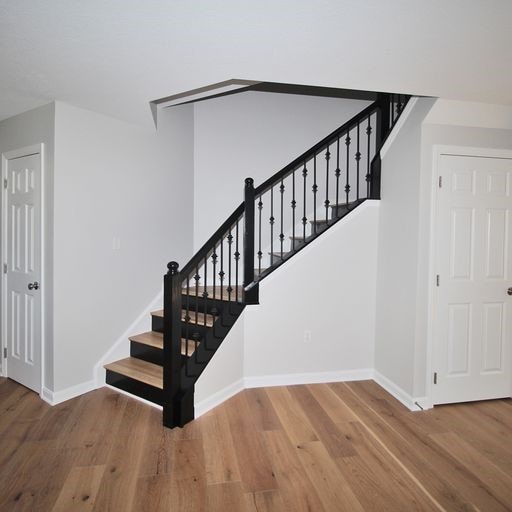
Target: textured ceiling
x: 115, y: 56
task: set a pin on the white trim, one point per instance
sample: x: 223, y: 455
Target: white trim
x: 120, y: 347
x: 57, y: 397
x: 437, y: 151
x: 307, y: 378
x: 398, y: 126
x: 218, y: 398
x: 397, y: 392
x: 34, y: 149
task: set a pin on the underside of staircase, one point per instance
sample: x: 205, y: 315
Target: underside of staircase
x: 204, y: 299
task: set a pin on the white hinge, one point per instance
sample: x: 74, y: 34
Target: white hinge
x: 5, y: 268
x: 440, y: 181
x: 438, y: 280
x: 435, y: 377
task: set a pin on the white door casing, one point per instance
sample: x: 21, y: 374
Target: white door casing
x: 472, y: 332
x: 22, y: 254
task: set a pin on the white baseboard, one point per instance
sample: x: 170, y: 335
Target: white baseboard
x: 217, y: 398
x: 396, y: 391
x: 307, y: 378
x: 57, y: 397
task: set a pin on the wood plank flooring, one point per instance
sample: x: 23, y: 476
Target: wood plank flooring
x: 322, y: 447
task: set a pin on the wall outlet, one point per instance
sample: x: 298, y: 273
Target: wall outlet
x: 307, y: 337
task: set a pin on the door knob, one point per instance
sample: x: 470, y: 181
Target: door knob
x: 509, y: 291
x: 33, y: 286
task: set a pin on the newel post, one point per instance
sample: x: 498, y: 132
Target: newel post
x: 172, y: 346
x: 251, y: 289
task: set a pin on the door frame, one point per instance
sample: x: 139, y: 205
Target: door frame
x: 6, y: 156
x: 437, y: 152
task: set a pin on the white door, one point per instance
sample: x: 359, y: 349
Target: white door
x: 473, y: 323
x: 22, y: 296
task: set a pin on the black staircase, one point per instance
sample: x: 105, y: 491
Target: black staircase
x: 203, y: 300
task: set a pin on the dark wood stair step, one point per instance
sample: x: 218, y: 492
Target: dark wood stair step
x: 156, y: 340
x: 210, y: 319
x: 139, y: 370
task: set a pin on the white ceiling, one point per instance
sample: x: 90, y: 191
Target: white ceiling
x: 115, y: 56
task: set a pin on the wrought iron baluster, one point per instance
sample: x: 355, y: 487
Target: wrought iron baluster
x: 327, y: 202
x: 304, y: 218
x: 281, y: 235
x: 315, y: 190
x: 221, y: 272
x: 187, y: 316
x: 272, y: 220
x: 337, y: 174
x: 260, y: 254
x: 293, y: 205
x: 368, y: 157
x: 214, y: 276
x: 358, y: 157
x: 347, y: 181
x: 205, y: 291
x: 197, y: 277
x: 237, y: 259
x: 230, y: 244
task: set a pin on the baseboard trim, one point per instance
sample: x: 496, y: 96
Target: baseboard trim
x: 57, y: 397
x: 307, y: 378
x: 396, y: 391
x: 217, y: 398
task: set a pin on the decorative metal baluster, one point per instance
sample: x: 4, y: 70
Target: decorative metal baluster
x: 187, y: 317
x: 205, y: 291
x: 337, y: 173
x: 368, y: 157
x: 281, y: 235
x: 327, y: 202
x: 315, y: 190
x: 392, y: 103
x: 358, y: 157
x: 197, y: 277
x: 304, y: 218
x: 221, y: 273
x: 214, y: 275
x: 293, y: 205
x: 347, y: 182
x: 230, y: 244
x: 260, y: 254
x: 398, y: 106
x: 237, y: 259
x: 272, y: 226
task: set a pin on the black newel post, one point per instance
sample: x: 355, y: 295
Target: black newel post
x: 382, y: 131
x: 251, y: 292
x: 172, y: 346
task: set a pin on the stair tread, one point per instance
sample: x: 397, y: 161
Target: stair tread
x: 279, y: 255
x: 210, y: 319
x: 339, y: 205
x: 137, y: 369
x: 156, y: 340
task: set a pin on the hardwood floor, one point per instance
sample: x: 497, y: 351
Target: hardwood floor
x: 323, y: 447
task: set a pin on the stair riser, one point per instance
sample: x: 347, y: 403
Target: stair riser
x: 135, y: 387
x: 157, y: 325
x: 209, y: 305
x: 147, y: 353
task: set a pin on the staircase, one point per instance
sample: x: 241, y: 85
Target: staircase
x: 203, y: 300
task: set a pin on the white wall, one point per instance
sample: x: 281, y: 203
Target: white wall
x: 114, y: 180
x: 35, y: 127
x: 253, y: 134
x: 395, y: 321
x: 328, y: 289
